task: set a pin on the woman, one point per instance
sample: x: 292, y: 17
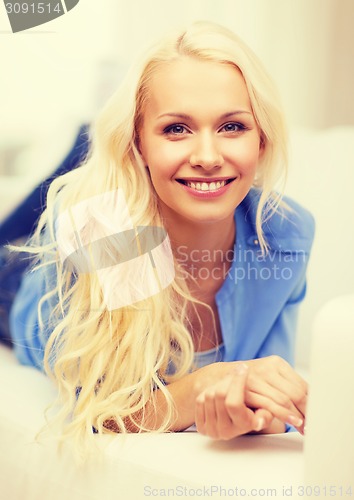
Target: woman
x: 193, y: 143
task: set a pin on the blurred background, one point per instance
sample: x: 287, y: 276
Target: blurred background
x: 55, y: 77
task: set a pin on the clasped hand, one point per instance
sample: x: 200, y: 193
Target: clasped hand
x: 251, y: 396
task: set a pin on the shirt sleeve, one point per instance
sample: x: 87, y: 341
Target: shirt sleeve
x: 28, y: 337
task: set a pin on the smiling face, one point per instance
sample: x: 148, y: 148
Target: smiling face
x: 199, y: 140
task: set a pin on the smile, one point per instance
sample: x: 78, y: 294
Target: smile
x: 205, y: 185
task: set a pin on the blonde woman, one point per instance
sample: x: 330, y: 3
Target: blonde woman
x: 190, y: 148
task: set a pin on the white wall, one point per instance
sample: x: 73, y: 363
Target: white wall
x: 52, y: 74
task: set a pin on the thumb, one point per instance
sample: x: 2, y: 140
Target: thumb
x: 262, y: 419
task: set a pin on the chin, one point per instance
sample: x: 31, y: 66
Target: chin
x: 211, y: 218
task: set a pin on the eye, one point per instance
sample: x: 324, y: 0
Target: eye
x: 176, y: 129
x: 233, y: 127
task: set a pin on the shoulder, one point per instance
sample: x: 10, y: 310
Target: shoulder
x: 290, y: 228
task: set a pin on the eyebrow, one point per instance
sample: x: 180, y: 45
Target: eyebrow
x: 188, y: 117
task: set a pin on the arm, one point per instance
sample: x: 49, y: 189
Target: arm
x: 206, y: 389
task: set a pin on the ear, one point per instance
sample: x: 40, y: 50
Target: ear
x: 262, y: 140
x: 262, y: 144
x: 138, y: 145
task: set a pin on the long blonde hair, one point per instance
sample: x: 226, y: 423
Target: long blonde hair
x: 119, y: 358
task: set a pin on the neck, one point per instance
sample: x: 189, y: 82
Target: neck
x: 202, y: 245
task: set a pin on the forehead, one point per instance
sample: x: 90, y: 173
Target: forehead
x: 189, y: 84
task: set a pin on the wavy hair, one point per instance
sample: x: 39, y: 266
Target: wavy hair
x: 108, y: 364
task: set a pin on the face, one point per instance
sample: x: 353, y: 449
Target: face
x: 199, y: 140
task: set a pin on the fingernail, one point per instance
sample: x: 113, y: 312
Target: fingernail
x: 260, y: 424
x: 296, y: 421
x: 241, y: 368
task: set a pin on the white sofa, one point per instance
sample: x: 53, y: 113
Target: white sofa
x: 320, y: 178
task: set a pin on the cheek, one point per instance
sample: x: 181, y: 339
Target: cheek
x: 165, y: 159
x: 245, y: 154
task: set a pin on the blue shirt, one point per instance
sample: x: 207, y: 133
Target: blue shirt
x: 257, y: 303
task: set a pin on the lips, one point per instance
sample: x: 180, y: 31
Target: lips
x: 200, y: 184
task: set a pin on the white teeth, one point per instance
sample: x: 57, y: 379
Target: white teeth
x: 206, y: 186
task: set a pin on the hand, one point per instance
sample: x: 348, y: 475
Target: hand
x: 221, y: 412
x: 272, y: 384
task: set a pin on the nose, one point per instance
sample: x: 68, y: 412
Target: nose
x: 206, y: 154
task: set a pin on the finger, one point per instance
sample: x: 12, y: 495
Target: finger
x: 299, y: 386
x: 280, y: 396
x: 210, y: 413
x: 255, y: 400
x: 278, y: 374
x: 241, y: 416
x: 286, y: 387
x: 298, y: 392
x: 289, y: 390
x: 211, y: 417
x: 225, y: 425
